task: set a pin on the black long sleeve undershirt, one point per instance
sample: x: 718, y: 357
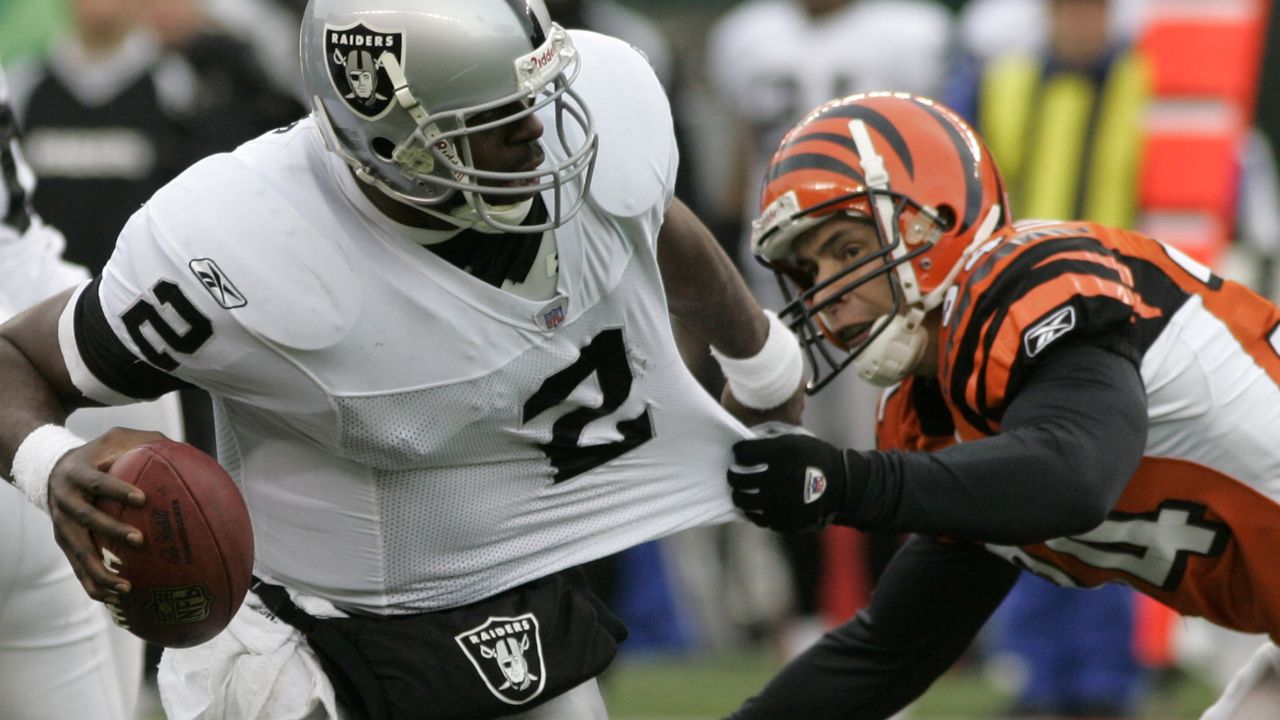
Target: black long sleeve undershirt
x: 1071, y: 440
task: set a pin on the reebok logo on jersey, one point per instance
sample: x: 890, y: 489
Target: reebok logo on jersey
x: 358, y: 57
x: 1039, y: 336
x: 507, y: 652
x: 217, y: 283
x: 815, y: 483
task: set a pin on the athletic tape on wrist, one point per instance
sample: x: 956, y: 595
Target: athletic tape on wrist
x: 35, y: 458
x: 770, y: 377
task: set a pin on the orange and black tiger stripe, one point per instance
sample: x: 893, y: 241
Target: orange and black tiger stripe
x: 823, y: 144
x: 1026, y: 279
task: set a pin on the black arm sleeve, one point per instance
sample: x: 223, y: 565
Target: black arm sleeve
x: 1071, y: 440
x: 930, y: 602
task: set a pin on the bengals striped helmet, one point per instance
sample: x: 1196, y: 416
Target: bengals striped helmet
x: 925, y: 179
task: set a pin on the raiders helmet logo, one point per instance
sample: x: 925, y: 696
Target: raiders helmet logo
x: 507, y: 652
x: 357, y: 59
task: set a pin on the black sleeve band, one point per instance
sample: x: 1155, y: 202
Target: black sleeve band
x: 1071, y: 440
x: 109, y: 360
x: 931, y: 601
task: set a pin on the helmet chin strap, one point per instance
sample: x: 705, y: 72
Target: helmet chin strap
x: 468, y: 216
x: 895, y: 352
x: 475, y: 212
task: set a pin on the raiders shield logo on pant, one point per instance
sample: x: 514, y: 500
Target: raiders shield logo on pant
x: 507, y: 652
x: 407, y: 667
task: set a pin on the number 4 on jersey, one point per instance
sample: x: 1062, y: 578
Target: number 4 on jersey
x: 1153, y: 547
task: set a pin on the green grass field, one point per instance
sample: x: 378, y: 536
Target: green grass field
x: 708, y: 687
x: 704, y: 688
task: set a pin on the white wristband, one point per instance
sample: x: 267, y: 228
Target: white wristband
x: 770, y: 377
x: 35, y: 458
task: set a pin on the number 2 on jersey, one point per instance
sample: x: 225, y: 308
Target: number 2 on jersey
x: 142, y: 313
x: 605, y: 357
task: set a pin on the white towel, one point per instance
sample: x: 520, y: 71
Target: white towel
x: 258, y: 667
x: 1259, y: 676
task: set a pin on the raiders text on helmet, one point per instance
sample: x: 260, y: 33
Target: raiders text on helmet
x: 933, y: 191
x: 396, y: 86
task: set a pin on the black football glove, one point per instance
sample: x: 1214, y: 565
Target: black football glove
x: 795, y: 481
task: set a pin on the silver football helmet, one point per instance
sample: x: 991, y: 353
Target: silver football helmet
x: 396, y: 86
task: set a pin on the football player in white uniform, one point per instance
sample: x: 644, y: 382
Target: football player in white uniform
x: 62, y: 658
x: 443, y: 371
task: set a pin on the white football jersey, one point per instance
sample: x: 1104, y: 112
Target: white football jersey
x: 408, y: 437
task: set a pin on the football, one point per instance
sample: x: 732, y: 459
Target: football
x: 193, y: 568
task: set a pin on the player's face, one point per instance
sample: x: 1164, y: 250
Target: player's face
x: 825, y: 251
x: 510, y: 147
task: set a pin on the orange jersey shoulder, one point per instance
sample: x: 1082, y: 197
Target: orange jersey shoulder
x: 1041, y: 285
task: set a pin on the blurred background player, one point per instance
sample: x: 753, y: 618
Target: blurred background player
x: 63, y: 658
x: 238, y: 98
x: 108, y: 119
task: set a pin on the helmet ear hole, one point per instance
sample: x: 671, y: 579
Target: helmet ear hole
x: 383, y: 148
x: 946, y: 218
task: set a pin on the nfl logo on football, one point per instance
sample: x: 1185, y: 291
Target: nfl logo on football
x: 179, y: 605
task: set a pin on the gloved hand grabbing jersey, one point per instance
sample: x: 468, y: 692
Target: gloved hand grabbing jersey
x: 795, y: 481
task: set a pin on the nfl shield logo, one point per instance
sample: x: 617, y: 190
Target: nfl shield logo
x: 815, y: 484
x: 507, y: 652
x: 553, y: 314
x: 554, y: 318
x: 358, y: 58
x: 179, y: 605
